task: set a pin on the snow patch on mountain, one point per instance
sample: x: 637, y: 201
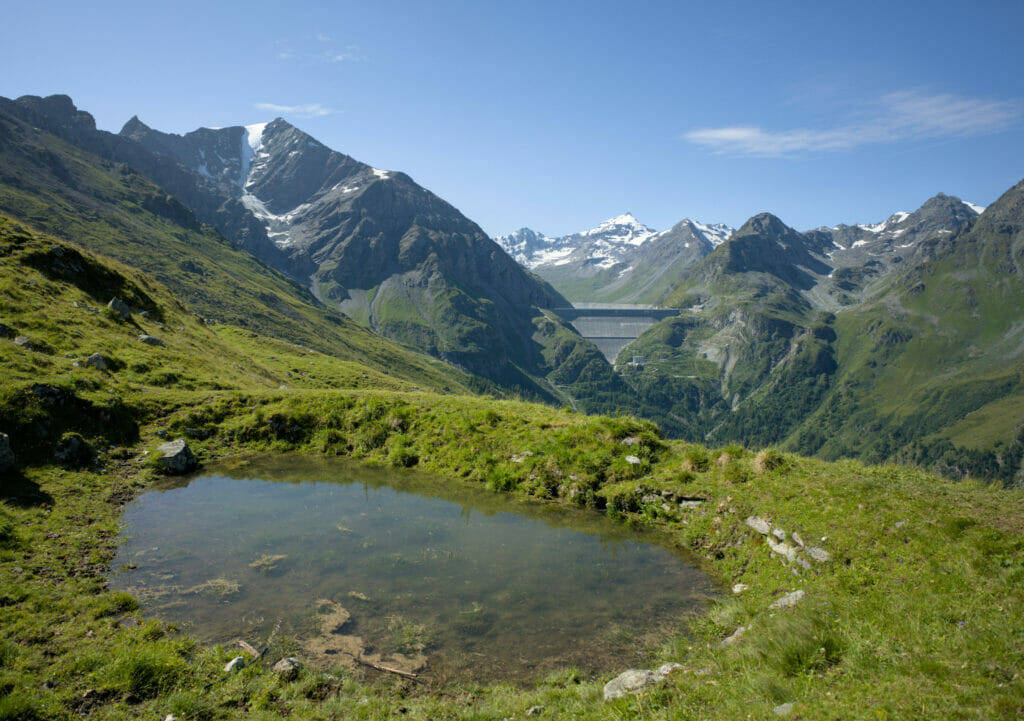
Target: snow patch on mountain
x: 979, y: 209
x: 252, y: 143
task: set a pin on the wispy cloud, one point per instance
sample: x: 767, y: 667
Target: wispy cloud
x: 327, y: 53
x: 310, y: 110
x: 902, y: 116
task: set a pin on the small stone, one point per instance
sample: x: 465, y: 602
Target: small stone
x: 740, y: 588
x: 783, y: 709
x: 6, y: 454
x: 535, y: 711
x: 819, y: 554
x: 631, y: 441
x: 667, y: 669
x: 734, y: 636
x: 97, y: 361
x: 288, y: 668
x: 630, y: 681
x: 177, y: 456
x: 783, y: 549
x: 796, y: 539
x: 900, y: 524
x: 690, y: 505
x: 520, y: 457
x: 150, y: 339
x: 779, y: 533
x: 790, y: 599
x: 632, y: 460
x: 23, y: 341
x: 120, y: 308
x: 170, y: 717
x: 759, y: 524
x: 235, y: 664
x: 803, y: 563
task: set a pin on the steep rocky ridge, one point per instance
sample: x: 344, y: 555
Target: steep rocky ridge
x: 372, y: 243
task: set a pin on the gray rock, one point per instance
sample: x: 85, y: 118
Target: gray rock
x: 779, y: 533
x: 666, y: 669
x: 235, y: 664
x: 783, y: 549
x: 819, y: 554
x: 632, y: 460
x: 631, y: 441
x: 790, y: 599
x: 734, y: 636
x: 759, y: 524
x: 97, y: 360
x: 74, y: 451
x: 631, y: 681
x: 740, y: 588
x: 177, y: 456
x: 23, y: 341
x: 120, y: 308
x: 535, y: 711
x: 900, y: 524
x: 520, y: 457
x: 796, y: 539
x: 803, y: 563
x: 783, y: 709
x: 150, y: 339
x: 288, y: 668
x: 690, y: 505
x: 6, y: 454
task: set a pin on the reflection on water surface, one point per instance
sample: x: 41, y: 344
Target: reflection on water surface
x: 401, y: 569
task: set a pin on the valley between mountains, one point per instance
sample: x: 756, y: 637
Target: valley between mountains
x: 829, y: 422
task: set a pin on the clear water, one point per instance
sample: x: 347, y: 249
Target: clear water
x: 402, y: 569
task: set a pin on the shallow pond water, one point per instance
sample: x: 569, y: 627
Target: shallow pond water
x: 401, y: 569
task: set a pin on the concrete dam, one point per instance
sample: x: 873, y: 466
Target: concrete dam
x: 613, y: 326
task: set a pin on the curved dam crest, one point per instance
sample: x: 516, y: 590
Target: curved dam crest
x: 613, y: 326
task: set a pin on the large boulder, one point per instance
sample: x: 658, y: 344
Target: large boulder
x: 6, y: 454
x: 150, y: 339
x: 97, y: 361
x: 119, y: 308
x: 176, y: 456
x: 635, y: 680
x: 288, y: 668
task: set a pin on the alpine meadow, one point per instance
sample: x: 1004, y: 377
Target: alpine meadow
x: 284, y: 434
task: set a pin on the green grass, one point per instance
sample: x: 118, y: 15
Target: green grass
x: 917, y: 614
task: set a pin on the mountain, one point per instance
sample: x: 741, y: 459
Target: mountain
x: 859, y: 340
x: 621, y: 260
x: 368, y: 242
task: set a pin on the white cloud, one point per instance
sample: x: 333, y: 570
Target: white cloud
x: 907, y: 115
x: 349, y: 54
x: 310, y: 110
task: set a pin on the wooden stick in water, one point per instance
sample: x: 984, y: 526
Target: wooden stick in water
x: 386, y: 669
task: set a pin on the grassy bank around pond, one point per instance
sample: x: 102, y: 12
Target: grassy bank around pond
x: 916, y: 614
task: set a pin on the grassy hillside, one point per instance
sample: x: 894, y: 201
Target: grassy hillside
x: 916, y: 613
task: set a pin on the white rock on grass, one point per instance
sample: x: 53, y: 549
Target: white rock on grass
x: 783, y: 549
x: 635, y: 680
x: 235, y: 664
x: 784, y: 709
x: 740, y: 588
x: 819, y: 554
x: 150, y: 340
x: 790, y: 599
x: 759, y: 524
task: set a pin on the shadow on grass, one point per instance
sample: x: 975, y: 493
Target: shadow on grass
x: 17, y: 490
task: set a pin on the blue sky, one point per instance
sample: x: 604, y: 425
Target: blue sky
x: 557, y: 115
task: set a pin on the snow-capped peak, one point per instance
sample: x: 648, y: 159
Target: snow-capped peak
x: 887, y: 224
x: 716, y: 233
x: 623, y: 229
x: 979, y: 209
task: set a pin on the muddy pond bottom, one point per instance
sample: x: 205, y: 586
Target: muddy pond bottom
x: 339, y: 563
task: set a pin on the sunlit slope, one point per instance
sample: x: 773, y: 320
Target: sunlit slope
x: 110, y: 209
